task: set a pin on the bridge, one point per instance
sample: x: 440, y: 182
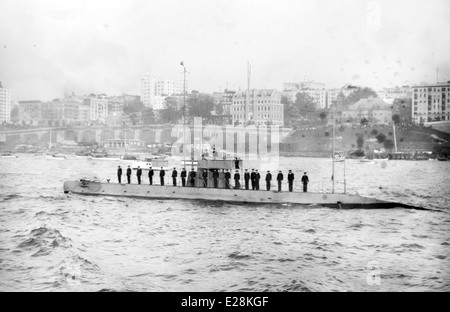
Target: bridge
x: 83, y: 135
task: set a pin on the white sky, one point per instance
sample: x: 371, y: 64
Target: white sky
x: 51, y: 47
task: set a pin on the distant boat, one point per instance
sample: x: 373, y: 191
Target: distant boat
x: 367, y: 161
x: 56, y: 157
x: 8, y: 155
x: 104, y: 156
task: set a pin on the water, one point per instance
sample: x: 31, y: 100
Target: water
x: 50, y: 241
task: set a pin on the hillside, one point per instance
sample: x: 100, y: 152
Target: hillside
x: 317, y: 141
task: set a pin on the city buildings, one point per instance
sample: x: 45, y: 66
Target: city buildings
x: 431, y: 102
x: 155, y: 90
x: 404, y: 92
x: 322, y: 97
x: 5, y: 104
x: 224, y: 100
x: 375, y: 110
x: 30, y: 112
x: 261, y: 107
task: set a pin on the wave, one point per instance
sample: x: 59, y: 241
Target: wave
x: 45, y: 240
x: 412, y: 246
x: 10, y: 197
x: 238, y: 256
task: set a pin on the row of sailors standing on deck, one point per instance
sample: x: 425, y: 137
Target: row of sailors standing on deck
x: 252, y: 177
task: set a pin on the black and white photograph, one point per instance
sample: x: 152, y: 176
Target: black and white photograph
x: 224, y: 151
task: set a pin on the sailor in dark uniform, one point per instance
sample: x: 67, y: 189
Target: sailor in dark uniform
x: 237, y: 177
x: 253, y: 178
x: 192, y: 175
x: 129, y: 174
x: 257, y: 178
x: 290, y: 180
x: 162, y: 173
x: 139, y: 174
x: 205, y: 177
x: 150, y: 175
x: 183, y: 177
x: 174, y: 177
x: 268, y: 180
x: 119, y: 174
x: 246, y: 178
x: 227, y: 179
x: 305, y: 182
x: 280, y: 178
x: 236, y: 163
x: 216, y: 178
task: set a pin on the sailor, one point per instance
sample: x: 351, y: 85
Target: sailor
x: 290, y: 180
x: 227, y: 179
x: 280, y: 178
x: 150, y: 175
x: 162, y: 173
x: 129, y: 174
x: 246, y: 178
x: 237, y: 177
x: 236, y: 163
x: 205, y: 177
x: 174, y: 177
x: 257, y: 178
x: 138, y: 174
x: 216, y: 178
x: 305, y: 182
x: 253, y: 178
x: 183, y: 177
x: 119, y: 174
x: 268, y: 180
x: 192, y: 175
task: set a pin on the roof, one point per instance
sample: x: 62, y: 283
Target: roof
x: 370, y: 103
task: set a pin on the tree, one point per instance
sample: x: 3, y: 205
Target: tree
x: 133, y: 107
x: 360, y: 93
x: 323, y: 116
x: 381, y: 138
x: 364, y: 121
x: 200, y: 105
x: 304, y: 103
x: 171, y: 113
x: 148, y: 116
x: 389, y: 144
x: 360, y: 141
x: 396, y: 119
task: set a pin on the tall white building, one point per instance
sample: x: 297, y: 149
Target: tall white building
x: 5, y: 104
x: 431, y: 102
x: 99, y: 109
x: 155, y: 90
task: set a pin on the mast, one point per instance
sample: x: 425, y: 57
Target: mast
x: 332, y: 151
x: 395, y: 137
x: 184, y: 117
x: 247, y: 97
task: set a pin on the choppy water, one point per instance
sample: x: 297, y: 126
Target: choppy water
x: 50, y: 241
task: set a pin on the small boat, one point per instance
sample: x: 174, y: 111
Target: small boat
x: 8, y: 155
x: 366, y: 161
x: 104, y: 156
x: 155, y: 163
x: 56, y: 157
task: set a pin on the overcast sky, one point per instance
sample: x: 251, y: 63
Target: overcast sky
x: 51, y: 47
